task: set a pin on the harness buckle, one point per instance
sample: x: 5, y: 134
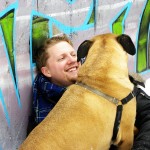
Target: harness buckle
x: 115, y: 101
x: 132, y: 93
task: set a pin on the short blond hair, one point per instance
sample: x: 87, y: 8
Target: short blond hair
x: 41, y: 53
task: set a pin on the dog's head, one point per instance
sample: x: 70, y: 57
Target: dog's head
x: 105, y: 55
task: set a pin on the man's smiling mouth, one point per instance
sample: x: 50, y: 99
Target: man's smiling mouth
x: 72, y: 69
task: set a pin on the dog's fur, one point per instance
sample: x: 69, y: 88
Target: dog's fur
x: 82, y: 120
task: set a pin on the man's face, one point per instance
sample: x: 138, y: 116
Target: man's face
x: 62, y: 64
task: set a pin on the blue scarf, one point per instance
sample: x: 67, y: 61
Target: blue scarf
x: 45, y: 96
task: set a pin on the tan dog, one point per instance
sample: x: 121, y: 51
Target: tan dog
x: 82, y: 119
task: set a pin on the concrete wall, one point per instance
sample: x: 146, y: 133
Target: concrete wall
x: 24, y: 24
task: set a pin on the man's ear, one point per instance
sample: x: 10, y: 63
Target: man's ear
x: 46, y: 71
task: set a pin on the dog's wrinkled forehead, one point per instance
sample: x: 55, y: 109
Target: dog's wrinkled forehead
x: 124, y: 40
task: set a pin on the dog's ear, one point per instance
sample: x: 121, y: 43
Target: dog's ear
x: 127, y: 44
x: 83, y: 50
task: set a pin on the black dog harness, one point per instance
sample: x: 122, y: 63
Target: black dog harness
x: 116, y: 102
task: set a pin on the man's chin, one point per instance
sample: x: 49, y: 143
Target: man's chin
x: 73, y: 79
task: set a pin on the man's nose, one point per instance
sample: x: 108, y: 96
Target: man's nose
x: 72, y: 59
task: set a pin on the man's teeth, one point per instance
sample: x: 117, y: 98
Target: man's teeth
x: 72, y: 69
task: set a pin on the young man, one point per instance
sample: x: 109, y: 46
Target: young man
x: 57, y: 64
x: 58, y: 67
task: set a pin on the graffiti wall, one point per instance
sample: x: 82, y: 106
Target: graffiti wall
x: 25, y: 24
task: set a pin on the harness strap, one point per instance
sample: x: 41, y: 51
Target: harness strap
x: 130, y: 96
x: 99, y: 93
x: 120, y: 109
x: 117, y: 121
x: 116, y: 102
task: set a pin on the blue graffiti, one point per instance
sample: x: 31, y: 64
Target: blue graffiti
x: 63, y: 28
x: 4, y: 108
x: 14, y: 6
x: 127, y: 8
x: 71, y: 1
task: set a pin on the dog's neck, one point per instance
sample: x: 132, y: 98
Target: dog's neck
x: 115, y: 87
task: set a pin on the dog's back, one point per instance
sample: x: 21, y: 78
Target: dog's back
x: 82, y: 119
